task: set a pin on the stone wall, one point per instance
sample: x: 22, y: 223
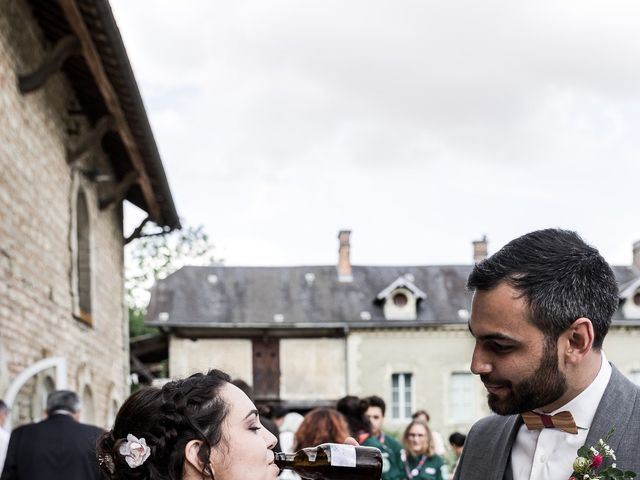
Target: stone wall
x: 38, y: 265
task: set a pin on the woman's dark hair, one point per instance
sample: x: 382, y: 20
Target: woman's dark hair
x: 168, y: 419
x: 559, y: 276
x: 354, y: 410
x: 321, y: 425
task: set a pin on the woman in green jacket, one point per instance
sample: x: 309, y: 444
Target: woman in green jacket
x: 418, y: 458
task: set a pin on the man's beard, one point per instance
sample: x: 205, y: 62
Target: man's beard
x: 543, y: 387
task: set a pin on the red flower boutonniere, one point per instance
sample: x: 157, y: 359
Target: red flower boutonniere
x: 588, y: 465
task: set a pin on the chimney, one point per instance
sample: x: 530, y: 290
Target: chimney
x: 636, y: 255
x: 344, y: 262
x: 480, y: 249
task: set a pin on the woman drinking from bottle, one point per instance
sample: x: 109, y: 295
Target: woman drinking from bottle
x: 418, y: 457
x: 199, y: 427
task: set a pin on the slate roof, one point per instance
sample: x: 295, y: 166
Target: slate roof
x: 222, y: 297
x: 301, y: 295
x: 625, y: 276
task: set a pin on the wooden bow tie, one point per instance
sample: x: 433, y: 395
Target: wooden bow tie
x: 561, y: 420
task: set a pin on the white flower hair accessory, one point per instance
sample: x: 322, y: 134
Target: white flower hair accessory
x: 134, y: 450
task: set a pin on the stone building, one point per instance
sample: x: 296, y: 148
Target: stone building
x: 306, y: 336
x: 75, y: 142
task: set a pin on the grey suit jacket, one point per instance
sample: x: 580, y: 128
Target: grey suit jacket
x: 487, y: 450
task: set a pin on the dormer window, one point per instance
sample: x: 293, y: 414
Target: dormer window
x: 400, y: 299
x: 630, y: 300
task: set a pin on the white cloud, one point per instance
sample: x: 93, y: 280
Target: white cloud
x: 420, y: 125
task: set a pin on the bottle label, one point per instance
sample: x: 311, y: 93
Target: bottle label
x: 343, y: 455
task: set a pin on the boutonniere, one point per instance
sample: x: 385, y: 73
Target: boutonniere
x: 589, y: 464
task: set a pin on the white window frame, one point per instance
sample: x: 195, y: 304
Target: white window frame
x: 468, y: 395
x: 400, y: 408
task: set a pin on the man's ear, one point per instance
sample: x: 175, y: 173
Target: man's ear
x: 578, y: 339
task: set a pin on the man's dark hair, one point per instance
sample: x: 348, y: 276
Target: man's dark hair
x: 3, y: 406
x: 65, y: 400
x: 560, y: 277
x: 375, y: 401
x: 457, y: 439
x: 353, y: 409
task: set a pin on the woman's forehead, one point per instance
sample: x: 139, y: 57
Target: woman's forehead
x: 240, y: 406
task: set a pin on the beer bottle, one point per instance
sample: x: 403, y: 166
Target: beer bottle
x: 333, y: 461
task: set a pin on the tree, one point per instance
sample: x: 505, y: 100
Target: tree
x: 154, y: 256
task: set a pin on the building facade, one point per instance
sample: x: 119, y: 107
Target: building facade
x: 74, y: 144
x: 306, y: 336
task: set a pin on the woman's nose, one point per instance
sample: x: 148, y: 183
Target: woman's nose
x: 270, y: 439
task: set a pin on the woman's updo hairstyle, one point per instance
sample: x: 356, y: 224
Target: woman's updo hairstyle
x: 168, y: 419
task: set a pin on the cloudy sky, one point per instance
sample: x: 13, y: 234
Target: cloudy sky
x: 419, y: 125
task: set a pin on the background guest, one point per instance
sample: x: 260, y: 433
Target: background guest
x: 391, y: 463
x: 456, y: 440
x: 354, y: 409
x: 321, y: 425
x: 438, y: 441
x: 4, y: 435
x: 57, y: 448
x: 288, y: 425
x: 418, y: 457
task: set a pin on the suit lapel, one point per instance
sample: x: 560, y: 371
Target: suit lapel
x: 616, y: 399
x: 502, y: 466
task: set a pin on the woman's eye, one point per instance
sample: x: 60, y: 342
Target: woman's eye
x: 255, y: 428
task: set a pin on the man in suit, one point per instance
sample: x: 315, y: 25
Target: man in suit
x: 541, y: 309
x: 4, y: 435
x: 57, y: 448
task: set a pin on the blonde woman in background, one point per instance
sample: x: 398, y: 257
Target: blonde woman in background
x: 418, y: 456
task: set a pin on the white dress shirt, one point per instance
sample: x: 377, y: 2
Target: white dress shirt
x: 548, y: 454
x: 4, y: 443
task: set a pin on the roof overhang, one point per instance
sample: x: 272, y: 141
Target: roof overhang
x: 104, y: 84
x: 297, y: 330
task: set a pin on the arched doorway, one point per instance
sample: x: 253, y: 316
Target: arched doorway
x: 24, y: 395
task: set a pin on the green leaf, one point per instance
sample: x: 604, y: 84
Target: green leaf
x: 584, y: 452
x: 152, y: 257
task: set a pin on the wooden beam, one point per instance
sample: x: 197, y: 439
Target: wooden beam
x: 51, y: 63
x: 120, y: 190
x: 90, y: 141
x: 144, y: 374
x: 137, y: 232
x: 94, y: 62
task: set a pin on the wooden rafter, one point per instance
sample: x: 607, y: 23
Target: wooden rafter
x: 137, y: 233
x: 120, y: 191
x: 51, y: 63
x: 92, y: 57
x: 90, y: 141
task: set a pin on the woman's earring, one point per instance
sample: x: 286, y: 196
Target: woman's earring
x: 209, y: 473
